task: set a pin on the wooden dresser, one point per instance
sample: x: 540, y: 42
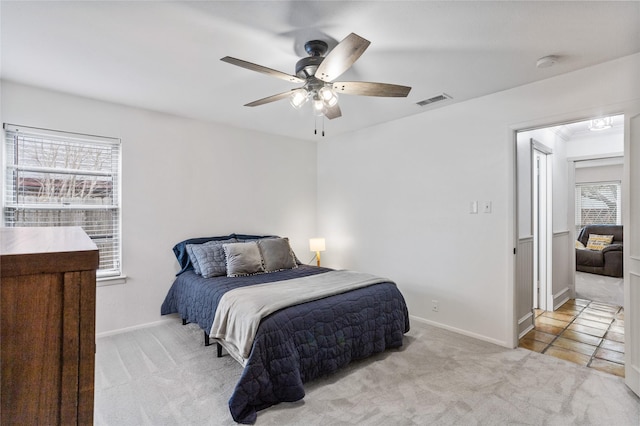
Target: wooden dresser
x: 47, y: 316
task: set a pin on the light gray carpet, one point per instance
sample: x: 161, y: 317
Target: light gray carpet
x: 163, y: 375
x: 599, y: 288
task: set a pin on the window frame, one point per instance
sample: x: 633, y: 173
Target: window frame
x: 76, y: 210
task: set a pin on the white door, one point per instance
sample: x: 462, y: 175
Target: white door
x: 542, y: 217
x: 632, y: 252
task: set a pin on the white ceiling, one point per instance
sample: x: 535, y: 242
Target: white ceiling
x: 580, y: 129
x: 164, y: 56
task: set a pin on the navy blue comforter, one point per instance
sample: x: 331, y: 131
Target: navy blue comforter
x: 299, y: 343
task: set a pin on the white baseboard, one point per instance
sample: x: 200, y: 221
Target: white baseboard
x: 524, y: 318
x: 413, y: 317
x: 528, y: 327
x: 561, y: 297
x: 170, y: 318
x: 525, y: 331
x: 463, y: 332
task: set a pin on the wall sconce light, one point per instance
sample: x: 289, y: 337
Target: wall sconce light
x: 317, y: 245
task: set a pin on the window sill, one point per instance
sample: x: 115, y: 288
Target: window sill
x: 103, y: 282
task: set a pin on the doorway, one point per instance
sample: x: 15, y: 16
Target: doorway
x: 553, y: 320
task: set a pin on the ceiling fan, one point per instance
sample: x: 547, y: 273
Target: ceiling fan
x: 317, y: 73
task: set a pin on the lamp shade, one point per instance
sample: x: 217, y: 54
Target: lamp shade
x: 316, y: 244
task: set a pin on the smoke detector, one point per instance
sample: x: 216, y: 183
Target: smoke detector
x: 546, y: 61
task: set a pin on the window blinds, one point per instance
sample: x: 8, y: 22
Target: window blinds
x: 598, y: 203
x: 65, y: 179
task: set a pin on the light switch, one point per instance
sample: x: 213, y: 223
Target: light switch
x: 486, y: 206
x: 473, y: 207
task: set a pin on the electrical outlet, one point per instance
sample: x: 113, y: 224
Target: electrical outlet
x: 435, y: 305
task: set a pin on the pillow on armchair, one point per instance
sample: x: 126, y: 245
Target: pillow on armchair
x: 598, y: 242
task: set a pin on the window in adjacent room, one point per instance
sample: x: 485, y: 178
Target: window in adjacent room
x: 65, y: 179
x: 598, y: 203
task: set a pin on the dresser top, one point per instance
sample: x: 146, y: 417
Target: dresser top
x: 46, y: 249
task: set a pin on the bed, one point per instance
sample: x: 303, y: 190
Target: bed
x: 315, y: 336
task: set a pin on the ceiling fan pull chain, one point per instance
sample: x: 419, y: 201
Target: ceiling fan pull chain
x: 315, y: 125
x: 323, y: 126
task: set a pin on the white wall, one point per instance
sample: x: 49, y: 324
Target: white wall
x: 181, y: 178
x: 594, y: 144
x: 394, y: 199
x: 593, y: 174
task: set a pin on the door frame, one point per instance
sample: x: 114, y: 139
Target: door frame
x: 631, y: 237
x: 541, y: 124
x: 542, y: 265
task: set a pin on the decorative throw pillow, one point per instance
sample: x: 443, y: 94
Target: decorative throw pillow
x: 243, y: 259
x: 210, y: 258
x: 276, y: 254
x: 193, y: 259
x: 598, y: 242
x: 180, y: 250
x: 579, y: 245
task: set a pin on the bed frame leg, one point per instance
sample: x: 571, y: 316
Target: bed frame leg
x: 207, y: 342
x: 184, y: 321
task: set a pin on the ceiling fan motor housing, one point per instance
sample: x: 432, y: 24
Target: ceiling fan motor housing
x: 306, y: 67
x: 316, y: 47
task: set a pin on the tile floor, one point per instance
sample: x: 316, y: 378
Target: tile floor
x: 581, y: 331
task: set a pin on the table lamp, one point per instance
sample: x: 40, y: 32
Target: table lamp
x: 317, y: 245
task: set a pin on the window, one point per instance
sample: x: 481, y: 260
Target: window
x: 598, y: 203
x: 65, y: 179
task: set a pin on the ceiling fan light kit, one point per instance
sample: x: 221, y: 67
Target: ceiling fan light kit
x: 317, y: 72
x: 298, y: 98
x: 602, y: 123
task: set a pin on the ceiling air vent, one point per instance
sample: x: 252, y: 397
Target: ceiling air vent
x: 433, y: 99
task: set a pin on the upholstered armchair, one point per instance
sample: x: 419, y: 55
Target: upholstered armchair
x: 604, y: 261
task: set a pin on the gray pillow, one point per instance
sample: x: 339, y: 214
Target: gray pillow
x: 243, y: 259
x: 276, y: 254
x: 209, y: 258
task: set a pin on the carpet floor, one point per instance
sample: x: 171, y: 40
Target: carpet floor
x: 599, y: 288
x: 163, y: 375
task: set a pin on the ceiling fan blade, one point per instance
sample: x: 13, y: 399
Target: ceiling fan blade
x: 342, y: 57
x: 259, y: 68
x: 365, y: 88
x: 270, y: 99
x: 333, y: 112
